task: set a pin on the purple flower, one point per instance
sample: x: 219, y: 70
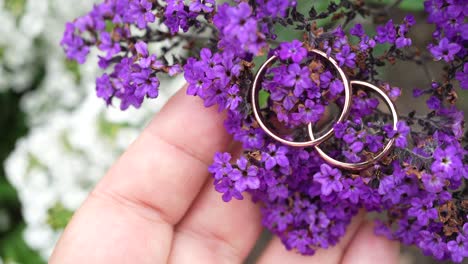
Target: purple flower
x: 389, y: 188
x: 279, y: 217
x: 445, y: 50
x: 325, y: 79
x: 330, y: 178
x: 292, y: 50
x: 108, y: 45
x: 407, y: 232
x: 366, y: 43
x: 174, y: 6
x: 409, y: 20
x: 447, y: 161
x: 374, y: 142
x: 275, y: 156
x: 74, y: 46
x: 357, y: 30
x: 195, y: 76
x: 400, y: 134
x: 221, y: 166
x: 386, y: 34
x: 433, y: 103
x: 278, y: 191
x: 174, y: 70
x: 346, y: 57
x: 179, y: 20
x: 423, y: 210
x: 202, y: 6
x: 417, y: 92
x: 458, y: 248
x: 336, y: 87
x: 145, y: 59
x: 252, y: 138
x: 147, y: 84
x: 142, y: 49
x: 227, y: 69
x: 104, y: 88
x: 128, y: 98
x: 340, y: 129
x: 141, y: 12
x: 433, y: 182
x: 309, y: 112
x: 402, y: 42
x: 300, y: 239
x: 352, y: 189
x: 298, y: 78
x: 249, y: 176
x: 431, y: 244
x: 233, y: 97
x: 227, y: 188
x: 238, y: 25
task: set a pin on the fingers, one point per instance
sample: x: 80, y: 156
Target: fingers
x: 276, y: 253
x: 370, y: 248
x: 215, y: 231
x: 167, y: 166
x: 129, y: 216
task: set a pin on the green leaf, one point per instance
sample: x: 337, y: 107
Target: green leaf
x: 108, y: 129
x: 16, y: 7
x: 263, y: 98
x: 13, y: 249
x: 73, y: 67
x: 412, y: 5
x: 7, y: 192
x: 110, y: 26
x: 2, y: 52
x: 58, y: 217
x: 407, y: 5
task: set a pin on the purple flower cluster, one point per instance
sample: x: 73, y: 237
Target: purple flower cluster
x: 395, y: 34
x: 451, y: 34
x: 120, y: 29
x: 305, y: 201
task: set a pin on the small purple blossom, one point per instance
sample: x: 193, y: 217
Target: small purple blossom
x: 445, y: 50
x: 141, y: 12
x: 221, y: 166
x: 275, y: 156
x: 346, y: 57
x: 329, y: 178
x: 292, y: 50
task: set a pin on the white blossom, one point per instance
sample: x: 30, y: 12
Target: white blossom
x: 73, y: 138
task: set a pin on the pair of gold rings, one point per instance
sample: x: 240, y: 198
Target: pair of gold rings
x: 315, y: 142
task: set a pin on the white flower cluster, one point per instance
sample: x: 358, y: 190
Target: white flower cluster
x: 59, y: 161
x: 73, y: 137
x: 29, y: 29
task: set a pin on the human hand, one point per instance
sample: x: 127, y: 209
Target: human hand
x: 157, y: 204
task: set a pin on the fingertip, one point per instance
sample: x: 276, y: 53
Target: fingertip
x: 276, y: 252
x: 367, y: 247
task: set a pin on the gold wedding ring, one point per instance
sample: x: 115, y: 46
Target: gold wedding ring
x: 314, y: 142
x: 257, y: 85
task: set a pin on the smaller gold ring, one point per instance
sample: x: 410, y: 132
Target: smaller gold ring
x: 387, y: 148
x: 256, y: 86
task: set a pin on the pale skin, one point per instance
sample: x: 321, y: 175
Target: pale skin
x: 157, y: 204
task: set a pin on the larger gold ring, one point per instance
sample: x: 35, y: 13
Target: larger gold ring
x: 386, y: 149
x: 314, y: 141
